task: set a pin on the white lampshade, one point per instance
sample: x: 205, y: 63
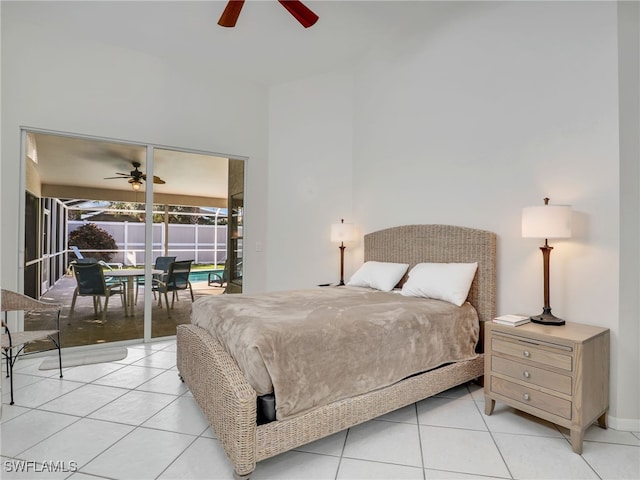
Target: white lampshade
x: 342, y: 232
x: 546, y: 221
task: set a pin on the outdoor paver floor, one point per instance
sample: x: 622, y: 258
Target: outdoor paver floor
x: 82, y: 328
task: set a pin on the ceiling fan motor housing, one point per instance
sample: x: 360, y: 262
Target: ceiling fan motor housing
x: 136, y: 174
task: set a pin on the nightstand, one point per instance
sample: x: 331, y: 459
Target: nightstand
x: 560, y: 374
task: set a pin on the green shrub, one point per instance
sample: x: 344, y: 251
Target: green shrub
x: 91, y: 237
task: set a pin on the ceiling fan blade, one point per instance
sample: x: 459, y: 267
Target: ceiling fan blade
x: 301, y: 13
x: 230, y: 14
x: 122, y: 175
x: 157, y: 180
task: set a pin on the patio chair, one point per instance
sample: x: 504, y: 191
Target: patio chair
x: 14, y: 343
x: 92, y: 283
x: 80, y: 258
x: 177, y: 279
x: 90, y: 261
x: 215, y: 277
x: 162, y: 263
x: 222, y: 279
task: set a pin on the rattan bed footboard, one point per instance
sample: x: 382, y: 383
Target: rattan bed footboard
x: 229, y: 402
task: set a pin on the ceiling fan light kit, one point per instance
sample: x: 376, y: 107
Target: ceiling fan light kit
x: 136, y: 177
x: 296, y: 8
x: 135, y: 184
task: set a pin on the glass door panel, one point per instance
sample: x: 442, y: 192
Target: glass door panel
x: 190, y: 231
x: 89, y: 213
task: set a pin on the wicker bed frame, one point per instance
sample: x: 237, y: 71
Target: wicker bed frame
x: 229, y: 402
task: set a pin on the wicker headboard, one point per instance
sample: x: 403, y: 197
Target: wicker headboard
x: 414, y: 244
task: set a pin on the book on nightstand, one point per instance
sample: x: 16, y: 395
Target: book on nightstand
x: 511, y: 319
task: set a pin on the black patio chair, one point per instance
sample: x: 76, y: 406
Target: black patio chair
x: 177, y: 279
x: 14, y: 343
x: 222, y: 279
x: 161, y: 263
x: 215, y: 277
x: 91, y: 283
x: 80, y: 258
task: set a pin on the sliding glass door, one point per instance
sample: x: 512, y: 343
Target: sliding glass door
x: 144, y: 213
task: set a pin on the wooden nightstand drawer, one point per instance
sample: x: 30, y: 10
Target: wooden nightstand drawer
x: 527, y: 351
x: 529, y: 374
x: 528, y: 396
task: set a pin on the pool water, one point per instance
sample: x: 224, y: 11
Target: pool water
x: 202, y: 275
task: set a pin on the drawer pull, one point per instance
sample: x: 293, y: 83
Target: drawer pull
x: 526, y: 374
x: 526, y: 396
x: 526, y: 353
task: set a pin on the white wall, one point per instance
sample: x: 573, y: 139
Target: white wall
x: 88, y: 88
x: 629, y: 100
x: 310, y: 179
x: 466, y: 125
x: 496, y: 112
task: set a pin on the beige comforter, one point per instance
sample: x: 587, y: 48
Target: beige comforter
x: 313, y: 347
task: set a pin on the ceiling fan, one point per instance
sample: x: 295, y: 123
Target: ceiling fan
x: 136, y: 177
x: 295, y: 7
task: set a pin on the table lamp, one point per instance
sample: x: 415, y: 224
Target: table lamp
x: 546, y: 221
x: 342, y: 232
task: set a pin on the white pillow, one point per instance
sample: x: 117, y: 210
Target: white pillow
x: 379, y: 275
x: 443, y: 281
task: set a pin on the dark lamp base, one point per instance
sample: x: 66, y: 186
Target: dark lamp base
x: 547, y: 318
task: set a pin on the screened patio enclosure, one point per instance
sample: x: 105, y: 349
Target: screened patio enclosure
x: 193, y: 233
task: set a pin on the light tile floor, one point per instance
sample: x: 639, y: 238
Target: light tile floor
x: 134, y: 419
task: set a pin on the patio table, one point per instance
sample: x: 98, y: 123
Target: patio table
x: 129, y: 275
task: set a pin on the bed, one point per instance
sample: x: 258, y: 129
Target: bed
x: 230, y: 402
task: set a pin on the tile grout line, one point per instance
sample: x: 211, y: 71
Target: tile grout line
x: 493, y: 439
x: 424, y: 473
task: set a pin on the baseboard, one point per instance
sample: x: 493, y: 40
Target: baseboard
x: 85, y: 357
x: 624, y: 424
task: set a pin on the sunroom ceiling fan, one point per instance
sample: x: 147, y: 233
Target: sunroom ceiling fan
x: 136, y: 177
x: 295, y: 7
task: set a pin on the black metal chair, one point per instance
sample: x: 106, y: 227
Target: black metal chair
x: 215, y: 277
x: 91, y: 261
x: 177, y: 279
x: 162, y: 263
x: 91, y: 283
x: 222, y: 279
x: 14, y: 343
x: 80, y: 258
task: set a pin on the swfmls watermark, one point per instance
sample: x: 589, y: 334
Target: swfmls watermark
x: 44, y: 466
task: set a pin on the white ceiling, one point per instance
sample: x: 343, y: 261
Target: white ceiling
x: 267, y: 46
